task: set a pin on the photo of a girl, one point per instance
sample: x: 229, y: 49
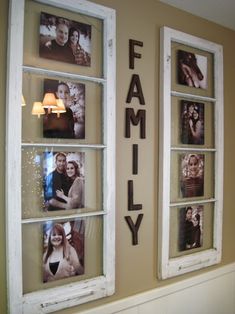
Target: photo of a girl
x: 192, y: 175
x: 63, y: 253
x: 192, y: 122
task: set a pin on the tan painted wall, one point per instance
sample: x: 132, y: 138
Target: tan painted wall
x: 136, y: 266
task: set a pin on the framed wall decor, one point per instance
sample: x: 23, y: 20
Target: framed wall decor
x: 191, y: 153
x: 60, y: 175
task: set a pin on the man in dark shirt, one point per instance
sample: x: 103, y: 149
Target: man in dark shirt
x: 58, y: 48
x: 56, y: 180
x: 63, y: 126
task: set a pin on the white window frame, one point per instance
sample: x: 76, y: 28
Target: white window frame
x: 53, y: 299
x: 169, y: 267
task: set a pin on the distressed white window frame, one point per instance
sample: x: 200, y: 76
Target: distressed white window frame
x: 53, y: 299
x: 169, y: 267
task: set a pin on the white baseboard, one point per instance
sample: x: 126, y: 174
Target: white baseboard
x: 209, y: 293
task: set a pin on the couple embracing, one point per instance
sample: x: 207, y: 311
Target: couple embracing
x: 64, y: 187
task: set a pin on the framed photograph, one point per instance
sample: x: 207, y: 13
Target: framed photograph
x: 192, y: 175
x: 64, y: 180
x: 63, y: 249
x: 76, y: 44
x: 192, y: 122
x: 190, y: 227
x: 191, y: 153
x: 71, y: 123
x: 192, y: 69
x: 64, y: 40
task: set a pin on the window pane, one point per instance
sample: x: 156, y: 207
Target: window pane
x: 192, y: 123
x: 48, y: 40
x: 192, y: 235
x: 82, y: 252
x: 64, y: 181
x: 82, y: 120
x: 192, y: 176
x: 192, y: 70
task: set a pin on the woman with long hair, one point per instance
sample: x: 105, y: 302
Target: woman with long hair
x: 196, y: 128
x: 75, y: 197
x: 80, y: 55
x: 60, y: 259
x: 197, y: 230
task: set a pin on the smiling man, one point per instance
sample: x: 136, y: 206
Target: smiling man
x: 58, y: 48
x: 56, y: 180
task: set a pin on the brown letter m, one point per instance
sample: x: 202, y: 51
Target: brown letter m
x: 135, y: 119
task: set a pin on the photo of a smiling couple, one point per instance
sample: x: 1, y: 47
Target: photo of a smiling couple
x: 63, y: 181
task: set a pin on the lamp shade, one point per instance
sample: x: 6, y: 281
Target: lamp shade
x: 49, y: 101
x: 60, y: 107
x: 23, y: 103
x: 38, y: 109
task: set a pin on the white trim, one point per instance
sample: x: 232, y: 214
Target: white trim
x: 137, y: 300
x: 194, y: 149
x: 81, y: 6
x: 66, y: 75
x: 13, y: 157
x: 64, y: 217
x: 192, y: 96
x: 169, y: 267
x: 53, y: 299
x: 95, y: 146
x: 50, y: 300
x: 210, y: 200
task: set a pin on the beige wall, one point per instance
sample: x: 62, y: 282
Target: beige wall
x: 136, y: 266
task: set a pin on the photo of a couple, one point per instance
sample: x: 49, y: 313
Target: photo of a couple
x: 64, y: 180
x: 190, y: 227
x: 64, y: 40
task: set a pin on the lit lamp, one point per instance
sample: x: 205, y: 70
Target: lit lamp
x: 23, y: 101
x: 60, y: 107
x: 38, y: 109
x: 49, y: 101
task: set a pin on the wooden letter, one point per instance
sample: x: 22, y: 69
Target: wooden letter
x: 131, y: 205
x: 134, y: 228
x: 134, y: 159
x: 131, y: 117
x: 132, y: 53
x: 135, y: 90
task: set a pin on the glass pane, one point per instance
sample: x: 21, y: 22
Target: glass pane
x: 191, y: 229
x: 82, y: 120
x: 192, y: 70
x: 58, y: 253
x: 62, y: 40
x: 66, y: 181
x: 192, y: 123
x: 192, y: 176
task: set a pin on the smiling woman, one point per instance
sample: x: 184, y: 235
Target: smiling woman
x: 192, y: 175
x: 64, y: 185
x: 60, y: 40
x: 75, y: 198
x: 60, y: 259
